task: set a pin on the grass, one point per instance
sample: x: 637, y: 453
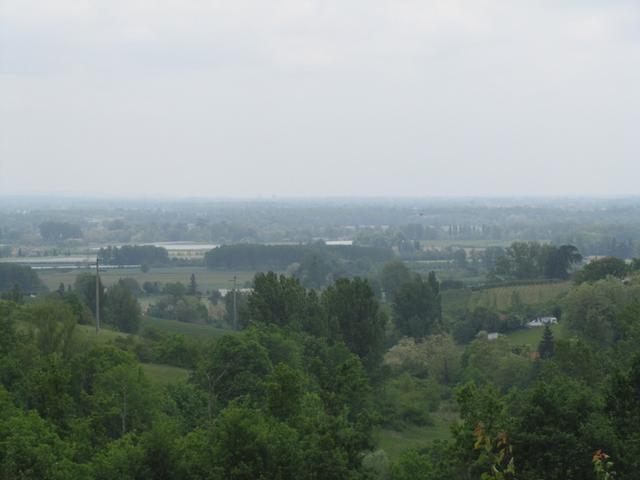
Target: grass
x: 206, y: 279
x: 88, y: 333
x: 501, y: 298
x: 394, y: 442
x: 188, y: 329
x: 532, y: 336
x: 164, y: 374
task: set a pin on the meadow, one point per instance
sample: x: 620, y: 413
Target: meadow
x: 205, y: 278
x: 183, y: 328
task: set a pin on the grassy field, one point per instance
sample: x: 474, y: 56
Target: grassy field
x: 206, y: 279
x: 502, y: 297
x: 395, y: 442
x: 532, y: 336
x: 164, y: 374
x: 188, y: 329
x: 88, y: 333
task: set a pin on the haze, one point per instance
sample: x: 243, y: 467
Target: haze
x: 308, y: 98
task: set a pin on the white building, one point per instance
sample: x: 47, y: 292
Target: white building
x: 541, y: 322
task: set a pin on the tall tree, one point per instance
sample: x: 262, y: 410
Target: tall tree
x: 85, y: 287
x: 122, y: 308
x: 193, y: 286
x: 416, y: 307
x: 546, y: 348
x: 393, y: 275
x: 278, y: 300
x: 355, y: 317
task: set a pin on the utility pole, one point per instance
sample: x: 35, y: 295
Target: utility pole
x: 97, y: 296
x: 235, y: 303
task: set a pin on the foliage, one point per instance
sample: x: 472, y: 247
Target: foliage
x: 592, y: 310
x: 417, y: 307
x: 22, y: 276
x: 435, y: 356
x: 52, y: 231
x: 354, y: 316
x: 122, y: 309
x: 393, y: 275
x: 602, y: 268
x: 134, y: 255
x: 546, y: 348
x: 524, y: 260
x: 277, y: 300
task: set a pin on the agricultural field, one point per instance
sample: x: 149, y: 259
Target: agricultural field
x: 206, y: 279
x: 502, y: 298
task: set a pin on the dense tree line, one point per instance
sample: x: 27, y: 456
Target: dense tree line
x: 526, y: 260
x: 316, y: 265
x: 52, y: 231
x: 21, y: 276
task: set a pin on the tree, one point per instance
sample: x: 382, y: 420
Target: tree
x: 236, y: 366
x: 277, y: 300
x: 122, y: 308
x: 57, y: 231
x: 284, y: 392
x: 21, y: 275
x: 556, y: 425
x: 546, y: 346
x: 559, y: 260
x: 591, y: 309
x: 436, y: 356
x: 123, y: 399
x: 148, y: 255
x: 122, y: 459
x: 31, y: 449
x: 393, y: 275
x: 247, y: 445
x: 85, y: 287
x: 416, y: 307
x: 55, y: 324
x: 14, y: 295
x: 354, y: 316
x: 193, y: 286
x: 177, y: 289
x: 623, y: 408
x: 602, y: 268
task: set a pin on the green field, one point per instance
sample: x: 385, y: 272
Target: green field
x: 188, y: 329
x: 502, y: 298
x: 164, y: 374
x: 532, y: 336
x: 206, y: 279
x: 88, y: 333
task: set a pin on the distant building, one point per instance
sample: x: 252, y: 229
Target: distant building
x: 541, y: 322
x: 492, y: 336
x: 225, y: 291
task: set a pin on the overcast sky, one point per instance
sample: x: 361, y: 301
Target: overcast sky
x: 319, y: 98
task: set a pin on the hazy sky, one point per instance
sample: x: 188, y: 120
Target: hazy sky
x: 332, y: 97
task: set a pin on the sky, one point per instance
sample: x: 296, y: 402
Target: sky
x: 248, y: 98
